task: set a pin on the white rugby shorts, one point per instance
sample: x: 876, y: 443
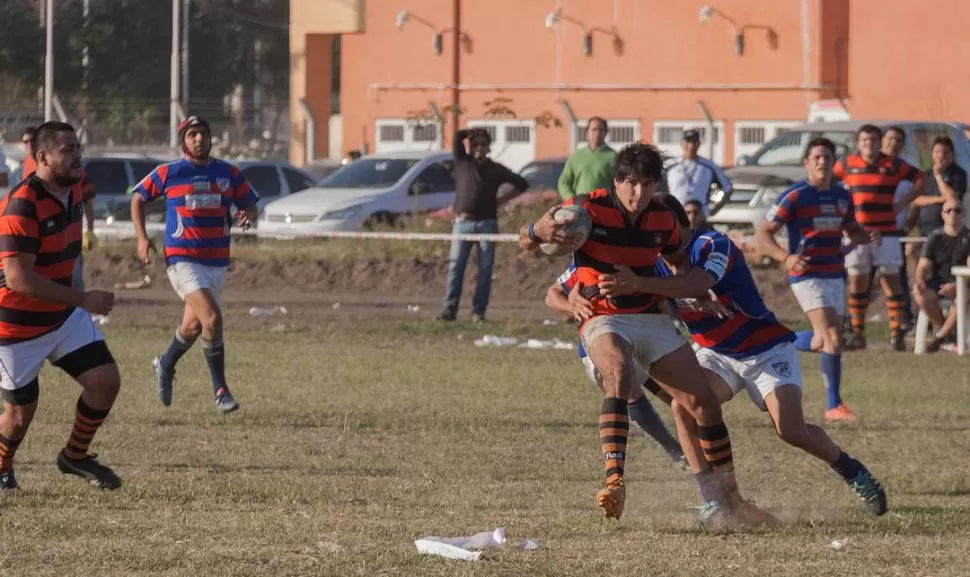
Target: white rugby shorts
x: 887, y: 255
x: 188, y: 277
x: 20, y: 363
x: 820, y: 293
x: 759, y: 375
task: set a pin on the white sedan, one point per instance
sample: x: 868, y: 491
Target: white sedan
x: 373, y: 190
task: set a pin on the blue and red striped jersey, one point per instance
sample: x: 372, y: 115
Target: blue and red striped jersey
x: 753, y: 328
x: 815, y: 220
x: 198, y: 208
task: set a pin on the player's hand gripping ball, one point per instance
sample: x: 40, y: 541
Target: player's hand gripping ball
x: 578, y: 226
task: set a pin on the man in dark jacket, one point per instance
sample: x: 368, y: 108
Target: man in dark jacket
x: 477, y: 182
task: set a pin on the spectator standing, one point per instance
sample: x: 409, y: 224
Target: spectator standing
x: 945, y: 248
x: 893, y: 141
x: 589, y: 168
x: 477, y: 181
x: 692, y: 177
x: 944, y: 180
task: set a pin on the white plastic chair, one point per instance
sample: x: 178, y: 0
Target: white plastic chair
x: 923, y: 324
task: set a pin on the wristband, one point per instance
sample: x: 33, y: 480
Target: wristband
x: 532, y: 233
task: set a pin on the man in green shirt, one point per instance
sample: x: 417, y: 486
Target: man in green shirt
x: 589, y: 168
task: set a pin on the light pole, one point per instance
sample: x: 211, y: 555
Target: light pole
x: 173, y: 110
x: 186, y: 23
x: 436, y: 44
x: 49, y: 64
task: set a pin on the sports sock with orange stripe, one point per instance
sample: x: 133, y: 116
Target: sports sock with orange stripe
x: 614, y: 429
x: 86, y: 423
x: 8, y: 447
x: 858, y: 305
x: 716, y: 444
x: 896, y: 313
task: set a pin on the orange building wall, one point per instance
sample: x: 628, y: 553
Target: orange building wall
x: 663, y: 44
x: 910, y: 64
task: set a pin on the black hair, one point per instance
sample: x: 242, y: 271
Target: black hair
x: 31, y: 132
x: 599, y: 119
x: 898, y: 130
x: 46, y: 137
x: 869, y: 129
x: 825, y: 142
x: 479, y: 133
x: 693, y: 202
x: 671, y: 202
x: 944, y: 141
x: 639, y: 162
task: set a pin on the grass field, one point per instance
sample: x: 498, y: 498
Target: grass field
x: 359, y: 434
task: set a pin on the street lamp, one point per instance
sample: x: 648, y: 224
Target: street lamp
x: 556, y: 16
x: 707, y: 12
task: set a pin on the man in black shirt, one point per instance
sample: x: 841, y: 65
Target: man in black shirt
x: 477, y: 182
x: 945, y: 180
x: 945, y: 248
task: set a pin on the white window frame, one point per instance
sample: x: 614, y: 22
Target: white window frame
x: 499, y: 144
x: 673, y: 148
x: 580, y: 126
x: 409, y: 143
x: 772, y: 129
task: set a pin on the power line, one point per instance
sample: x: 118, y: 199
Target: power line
x: 234, y: 13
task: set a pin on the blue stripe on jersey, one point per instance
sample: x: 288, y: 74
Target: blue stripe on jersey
x: 815, y: 220
x: 753, y: 329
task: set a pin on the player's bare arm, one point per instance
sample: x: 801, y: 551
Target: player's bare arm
x: 765, y: 235
x: 21, y: 277
x: 693, y: 283
x: 138, y: 220
x: 858, y: 235
x: 558, y: 301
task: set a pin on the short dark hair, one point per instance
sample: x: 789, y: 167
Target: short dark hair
x: 944, y: 141
x: 819, y: 142
x: 898, y: 130
x: 479, y: 133
x: 671, y: 202
x: 868, y: 129
x: 640, y: 162
x: 599, y: 119
x: 46, y: 137
x: 694, y: 202
x: 31, y: 132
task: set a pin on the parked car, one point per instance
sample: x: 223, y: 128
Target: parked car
x: 374, y: 189
x: 761, y: 177
x: 112, y: 176
x: 269, y: 179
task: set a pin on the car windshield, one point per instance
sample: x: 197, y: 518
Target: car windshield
x: 369, y: 173
x: 787, y: 148
x: 542, y: 174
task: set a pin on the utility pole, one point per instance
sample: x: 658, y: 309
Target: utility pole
x: 186, y: 23
x: 49, y: 64
x: 173, y: 112
x: 456, y: 67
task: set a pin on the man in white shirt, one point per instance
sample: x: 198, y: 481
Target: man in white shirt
x: 691, y: 178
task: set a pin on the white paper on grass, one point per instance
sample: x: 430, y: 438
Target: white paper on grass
x: 495, y: 341
x: 461, y: 547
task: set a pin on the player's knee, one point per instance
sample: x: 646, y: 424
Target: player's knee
x: 103, y: 381
x: 212, y: 323
x: 794, y: 434
x: 615, y: 380
x: 832, y: 340
x: 190, y: 331
x: 19, y: 417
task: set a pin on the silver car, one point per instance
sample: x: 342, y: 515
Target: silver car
x: 761, y: 177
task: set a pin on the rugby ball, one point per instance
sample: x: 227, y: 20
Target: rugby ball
x: 578, y: 220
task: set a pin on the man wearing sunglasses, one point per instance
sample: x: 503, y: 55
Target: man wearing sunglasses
x: 945, y: 248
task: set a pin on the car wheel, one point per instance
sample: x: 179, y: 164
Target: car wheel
x: 381, y: 220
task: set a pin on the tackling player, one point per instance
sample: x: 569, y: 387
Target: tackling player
x: 748, y: 349
x: 199, y: 193
x: 630, y: 230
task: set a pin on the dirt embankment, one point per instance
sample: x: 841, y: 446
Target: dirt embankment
x: 514, y: 278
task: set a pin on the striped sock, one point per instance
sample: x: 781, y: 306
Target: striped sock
x: 7, y: 449
x: 716, y: 444
x: 86, y: 423
x: 614, y: 429
x: 896, y: 311
x: 858, y: 305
